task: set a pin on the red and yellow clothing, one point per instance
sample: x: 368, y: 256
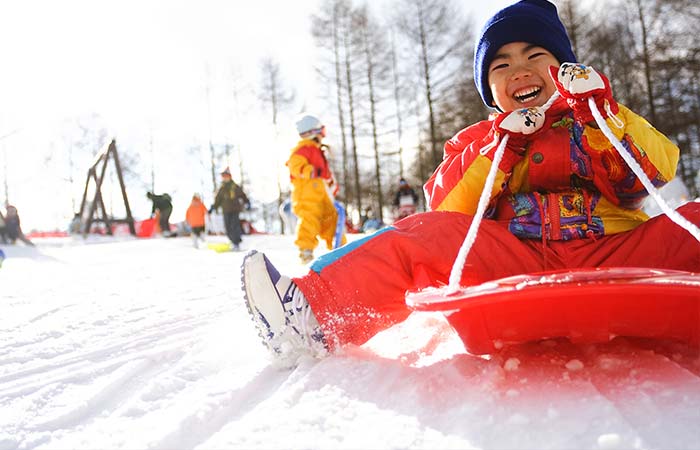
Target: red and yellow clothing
x: 566, y: 200
x: 359, y: 289
x: 569, y: 183
x: 311, y: 178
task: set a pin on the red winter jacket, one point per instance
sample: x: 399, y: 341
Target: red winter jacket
x: 568, y: 183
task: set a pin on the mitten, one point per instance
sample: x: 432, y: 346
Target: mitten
x: 521, y: 125
x: 576, y: 83
x: 211, y: 209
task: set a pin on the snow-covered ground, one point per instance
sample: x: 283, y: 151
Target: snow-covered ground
x: 135, y: 344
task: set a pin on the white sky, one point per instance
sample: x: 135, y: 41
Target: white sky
x: 144, y: 67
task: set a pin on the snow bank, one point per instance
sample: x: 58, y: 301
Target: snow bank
x: 123, y: 343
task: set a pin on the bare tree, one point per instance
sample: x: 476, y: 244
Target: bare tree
x: 571, y: 16
x: 646, y: 58
x: 277, y: 97
x: 349, y: 63
x: 441, y: 41
x: 82, y: 138
x: 397, y: 103
x: 375, y: 50
x: 212, y: 151
x: 333, y: 16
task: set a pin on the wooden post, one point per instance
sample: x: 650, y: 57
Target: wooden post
x: 103, y: 157
x: 117, y: 164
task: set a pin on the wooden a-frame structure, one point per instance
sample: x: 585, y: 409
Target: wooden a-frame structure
x: 86, y: 221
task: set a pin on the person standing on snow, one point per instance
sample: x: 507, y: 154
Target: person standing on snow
x: 563, y: 198
x: 196, y: 218
x: 3, y: 230
x: 313, y: 187
x: 231, y: 199
x: 13, y: 227
x: 405, y: 200
x: 163, y: 204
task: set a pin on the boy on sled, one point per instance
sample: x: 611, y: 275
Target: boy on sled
x: 563, y: 198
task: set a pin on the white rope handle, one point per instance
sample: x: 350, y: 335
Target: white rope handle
x: 460, y: 261
x: 458, y: 266
x: 639, y: 172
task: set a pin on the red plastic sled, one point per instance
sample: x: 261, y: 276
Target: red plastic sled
x: 145, y: 228
x: 585, y: 305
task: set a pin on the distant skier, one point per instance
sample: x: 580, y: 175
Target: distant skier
x: 232, y: 200
x: 163, y: 204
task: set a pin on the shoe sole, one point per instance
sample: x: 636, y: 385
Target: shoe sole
x: 249, y: 290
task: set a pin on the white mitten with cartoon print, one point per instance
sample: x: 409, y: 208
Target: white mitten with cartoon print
x: 524, y: 121
x: 577, y: 83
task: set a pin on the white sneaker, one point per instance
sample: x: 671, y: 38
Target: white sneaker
x: 280, y: 310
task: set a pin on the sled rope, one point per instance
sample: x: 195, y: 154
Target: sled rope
x: 460, y: 260
x: 458, y: 266
x: 637, y: 169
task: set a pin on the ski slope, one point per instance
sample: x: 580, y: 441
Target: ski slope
x: 117, y: 343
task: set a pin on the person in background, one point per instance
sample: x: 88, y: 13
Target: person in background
x: 371, y: 222
x: 313, y: 189
x: 13, y: 227
x: 405, y: 200
x: 196, y: 218
x: 288, y: 217
x: 3, y: 230
x: 232, y: 200
x: 74, y: 225
x: 563, y: 198
x: 163, y: 204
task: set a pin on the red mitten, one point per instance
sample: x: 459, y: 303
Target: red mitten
x: 576, y: 83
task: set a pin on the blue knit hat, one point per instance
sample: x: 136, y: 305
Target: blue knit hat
x: 532, y: 21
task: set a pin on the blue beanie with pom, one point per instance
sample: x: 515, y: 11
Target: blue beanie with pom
x: 532, y: 21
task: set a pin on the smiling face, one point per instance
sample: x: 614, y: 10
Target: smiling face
x: 519, y: 76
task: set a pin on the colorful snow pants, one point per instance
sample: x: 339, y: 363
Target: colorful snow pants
x: 358, y: 290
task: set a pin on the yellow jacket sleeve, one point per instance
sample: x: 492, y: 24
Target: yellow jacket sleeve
x: 299, y: 167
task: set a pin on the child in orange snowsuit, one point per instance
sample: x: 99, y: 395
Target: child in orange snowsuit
x: 563, y: 198
x: 196, y: 218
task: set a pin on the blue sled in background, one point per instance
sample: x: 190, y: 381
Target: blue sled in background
x: 340, y: 225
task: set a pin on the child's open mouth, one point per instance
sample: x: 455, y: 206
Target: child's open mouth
x: 525, y: 95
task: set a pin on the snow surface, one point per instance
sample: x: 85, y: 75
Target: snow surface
x: 123, y: 343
